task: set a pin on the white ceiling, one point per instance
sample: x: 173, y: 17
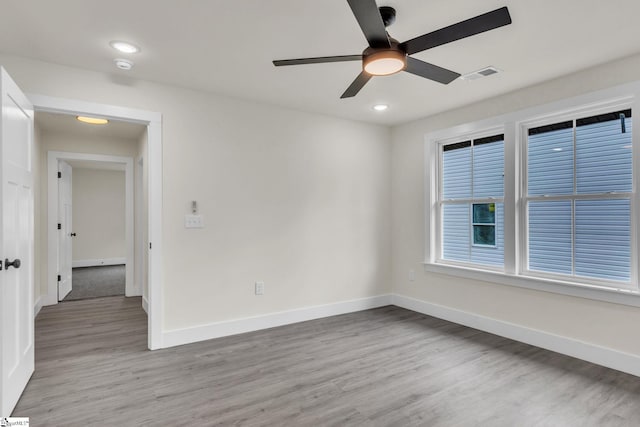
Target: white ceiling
x: 67, y: 124
x: 227, y: 46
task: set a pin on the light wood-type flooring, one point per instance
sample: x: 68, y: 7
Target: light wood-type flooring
x: 382, y: 367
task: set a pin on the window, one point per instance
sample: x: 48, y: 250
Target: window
x: 539, y: 198
x: 471, y: 201
x: 484, y: 224
x: 579, y: 195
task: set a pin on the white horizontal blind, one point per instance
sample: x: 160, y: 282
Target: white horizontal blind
x: 603, y: 156
x: 456, y: 166
x: 456, y: 238
x: 488, y: 169
x: 603, y: 239
x: 472, y: 172
x: 580, y: 179
x: 550, y: 158
x: 550, y: 236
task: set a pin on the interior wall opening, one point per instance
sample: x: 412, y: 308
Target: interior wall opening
x: 90, y: 200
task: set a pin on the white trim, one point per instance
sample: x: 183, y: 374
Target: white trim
x: 619, y: 97
x: 271, y: 320
x: 603, y: 356
x: 155, y: 278
x: 38, y: 305
x: 616, y: 296
x: 153, y: 121
x: 145, y: 305
x: 139, y: 234
x: 72, y: 107
x: 98, y: 262
x: 525, y: 199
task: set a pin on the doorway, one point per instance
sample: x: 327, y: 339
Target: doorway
x: 95, y: 228
x: 101, y: 246
x: 152, y: 301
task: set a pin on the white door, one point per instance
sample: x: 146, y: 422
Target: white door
x: 16, y: 244
x: 65, y: 245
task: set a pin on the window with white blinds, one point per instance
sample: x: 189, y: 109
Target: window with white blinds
x: 471, y: 201
x: 544, y: 198
x: 579, y: 197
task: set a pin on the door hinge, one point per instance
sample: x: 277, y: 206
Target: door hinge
x: 149, y: 245
x: 59, y: 278
x: 59, y: 226
x: 59, y: 174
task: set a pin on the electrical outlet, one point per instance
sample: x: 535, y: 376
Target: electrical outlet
x: 412, y: 275
x: 193, y: 221
x: 259, y: 288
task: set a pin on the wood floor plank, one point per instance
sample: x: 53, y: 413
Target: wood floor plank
x: 382, y: 367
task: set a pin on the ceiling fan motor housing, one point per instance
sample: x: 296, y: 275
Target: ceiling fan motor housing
x: 388, y: 15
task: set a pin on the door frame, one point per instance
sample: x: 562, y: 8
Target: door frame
x: 53, y: 194
x: 153, y: 122
x: 138, y: 185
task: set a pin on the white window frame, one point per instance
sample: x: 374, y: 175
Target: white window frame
x: 496, y: 130
x: 514, y: 126
x: 524, y: 126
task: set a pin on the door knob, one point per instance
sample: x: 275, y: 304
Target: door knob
x: 73, y: 234
x: 15, y: 263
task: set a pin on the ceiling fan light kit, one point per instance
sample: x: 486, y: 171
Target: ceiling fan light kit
x: 384, y: 62
x: 385, y: 56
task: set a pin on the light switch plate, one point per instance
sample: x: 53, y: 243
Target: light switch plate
x: 193, y: 221
x: 259, y: 288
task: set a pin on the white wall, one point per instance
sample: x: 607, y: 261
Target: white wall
x: 98, y: 214
x: 61, y: 141
x: 300, y: 201
x: 605, y: 324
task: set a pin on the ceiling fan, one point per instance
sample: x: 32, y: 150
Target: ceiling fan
x: 386, y: 56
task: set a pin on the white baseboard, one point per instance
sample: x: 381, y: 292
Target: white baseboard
x: 48, y: 300
x: 38, y: 306
x: 98, y: 262
x: 145, y: 305
x: 599, y: 355
x: 271, y: 320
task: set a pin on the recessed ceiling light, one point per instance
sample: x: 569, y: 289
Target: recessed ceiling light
x: 380, y: 107
x: 124, y: 47
x: 123, y: 64
x: 92, y: 120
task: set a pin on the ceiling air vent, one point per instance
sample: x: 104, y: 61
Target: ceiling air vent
x: 484, y: 72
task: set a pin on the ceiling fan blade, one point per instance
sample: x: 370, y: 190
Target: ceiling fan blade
x: 479, y: 24
x: 318, y: 60
x: 430, y: 71
x: 370, y: 21
x: 357, y: 84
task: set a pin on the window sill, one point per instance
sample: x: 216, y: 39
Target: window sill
x: 616, y: 296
